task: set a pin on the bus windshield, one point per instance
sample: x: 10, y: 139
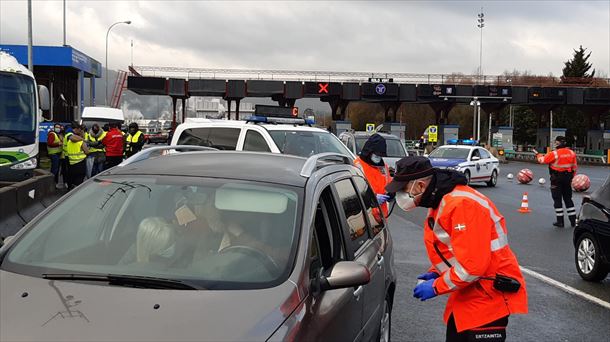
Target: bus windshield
x: 17, y: 110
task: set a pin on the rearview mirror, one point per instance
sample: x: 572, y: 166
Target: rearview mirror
x: 345, y: 274
x: 44, y: 100
x: 475, y: 158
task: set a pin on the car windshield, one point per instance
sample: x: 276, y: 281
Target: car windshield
x: 218, y: 234
x: 17, y: 110
x: 395, y: 147
x: 450, y: 153
x: 307, y: 143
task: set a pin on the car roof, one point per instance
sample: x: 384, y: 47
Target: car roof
x: 361, y: 134
x: 249, y: 166
x: 200, y: 123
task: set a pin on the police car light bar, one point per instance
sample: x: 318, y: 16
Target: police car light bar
x: 461, y: 142
x: 279, y: 120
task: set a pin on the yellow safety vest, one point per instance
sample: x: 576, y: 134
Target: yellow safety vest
x: 75, y: 152
x: 132, y: 139
x: 54, y: 150
x: 64, y: 147
x: 91, y: 138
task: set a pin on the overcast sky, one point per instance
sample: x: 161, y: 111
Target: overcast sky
x: 409, y: 36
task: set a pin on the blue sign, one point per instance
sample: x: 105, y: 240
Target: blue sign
x: 380, y: 89
x: 57, y: 56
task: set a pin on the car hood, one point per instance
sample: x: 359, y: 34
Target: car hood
x: 35, y: 309
x: 445, y: 162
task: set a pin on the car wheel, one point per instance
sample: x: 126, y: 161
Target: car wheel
x: 467, y: 174
x: 493, y: 180
x: 385, y: 326
x: 588, y: 259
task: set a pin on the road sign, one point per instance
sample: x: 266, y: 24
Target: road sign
x: 432, y: 133
x: 370, y: 127
x: 320, y: 89
x: 497, y: 140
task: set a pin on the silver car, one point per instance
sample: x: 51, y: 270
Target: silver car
x: 204, y: 246
x: 396, y: 148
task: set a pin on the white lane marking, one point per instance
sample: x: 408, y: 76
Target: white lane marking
x: 566, y: 288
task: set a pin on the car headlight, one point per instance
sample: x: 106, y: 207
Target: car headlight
x: 28, y: 164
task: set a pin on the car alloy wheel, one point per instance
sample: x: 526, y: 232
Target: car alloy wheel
x: 467, y: 174
x: 588, y: 261
x: 493, y: 180
x: 385, y: 326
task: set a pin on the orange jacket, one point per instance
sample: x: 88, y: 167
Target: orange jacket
x: 378, y: 177
x: 471, y: 235
x: 562, y: 160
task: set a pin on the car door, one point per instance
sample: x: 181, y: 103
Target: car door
x: 375, y: 294
x: 475, y: 160
x: 361, y: 246
x: 333, y: 315
x: 487, y: 165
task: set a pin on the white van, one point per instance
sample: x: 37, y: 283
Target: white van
x: 101, y: 116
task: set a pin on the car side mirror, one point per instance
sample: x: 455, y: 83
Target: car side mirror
x: 475, y: 158
x: 345, y: 274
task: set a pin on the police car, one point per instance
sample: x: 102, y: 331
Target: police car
x: 270, y: 129
x: 477, y: 164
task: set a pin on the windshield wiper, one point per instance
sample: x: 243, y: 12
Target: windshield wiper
x: 12, y: 137
x: 125, y: 280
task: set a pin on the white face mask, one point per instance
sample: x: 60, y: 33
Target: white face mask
x: 375, y: 158
x: 57, y: 130
x: 405, y: 200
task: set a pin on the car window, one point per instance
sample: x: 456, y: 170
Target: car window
x: 373, y: 212
x: 329, y: 247
x: 484, y: 154
x: 255, y: 142
x: 307, y: 143
x: 475, y: 153
x: 360, y: 143
x: 215, y: 233
x: 350, y: 143
x: 354, y: 214
x: 222, y: 138
x: 395, y: 148
x: 450, y: 153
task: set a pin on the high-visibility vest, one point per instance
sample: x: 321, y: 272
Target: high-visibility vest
x: 561, y: 160
x: 89, y: 137
x: 54, y: 150
x: 75, y: 153
x: 378, y: 177
x: 470, y: 233
x: 64, y: 147
x: 132, y: 139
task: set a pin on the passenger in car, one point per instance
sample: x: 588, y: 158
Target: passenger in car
x: 155, y: 240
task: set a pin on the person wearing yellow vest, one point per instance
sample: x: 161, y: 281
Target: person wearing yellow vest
x: 134, y: 141
x: 54, y: 148
x: 97, y: 153
x: 76, y: 153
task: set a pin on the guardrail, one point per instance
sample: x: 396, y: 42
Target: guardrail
x: 582, y: 158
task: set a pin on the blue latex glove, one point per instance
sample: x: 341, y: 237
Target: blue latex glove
x: 425, y: 290
x: 382, y: 198
x: 428, y: 276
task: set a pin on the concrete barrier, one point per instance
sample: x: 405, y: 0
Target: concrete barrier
x: 29, y: 198
x: 10, y: 221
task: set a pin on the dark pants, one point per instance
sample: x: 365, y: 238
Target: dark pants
x: 55, y: 167
x: 77, y: 172
x: 491, y: 332
x: 65, y: 166
x: 112, y: 162
x: 561, y: 189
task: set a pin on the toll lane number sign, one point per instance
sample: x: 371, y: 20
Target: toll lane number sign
x: 432, y: 133
x: 370, y: 128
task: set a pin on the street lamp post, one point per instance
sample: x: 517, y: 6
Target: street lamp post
x: 107, y: 34
x: 476, y: 123
x: 480, y: 25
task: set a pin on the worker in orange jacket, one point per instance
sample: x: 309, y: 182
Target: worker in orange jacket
x: 370, y: 161
x: 467, y: 244
x: 562, y: 167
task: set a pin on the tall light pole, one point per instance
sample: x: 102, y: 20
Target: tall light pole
x: 480, y: 25
x: 30, y: 40
x: 107, y: 34
x: 64, y: 22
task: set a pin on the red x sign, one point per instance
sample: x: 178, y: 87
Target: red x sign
x: 323, y: 88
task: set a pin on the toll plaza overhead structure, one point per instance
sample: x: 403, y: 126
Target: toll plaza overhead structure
x: 440, y: 92
x: 62, y: 69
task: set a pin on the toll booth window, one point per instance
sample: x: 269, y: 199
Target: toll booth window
x: 216, y: 137
x: 255, y: 142
x: 353, y: 212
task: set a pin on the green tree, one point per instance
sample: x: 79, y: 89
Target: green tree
x: 578, y: 66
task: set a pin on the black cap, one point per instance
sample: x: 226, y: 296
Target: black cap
x: 408, y: 169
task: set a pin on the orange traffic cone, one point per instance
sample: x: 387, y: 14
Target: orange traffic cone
x: 525, y: 209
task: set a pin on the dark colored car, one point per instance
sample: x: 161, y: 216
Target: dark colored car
x: 156, y: 138
x: 592, y: 235
x: 204, y: 246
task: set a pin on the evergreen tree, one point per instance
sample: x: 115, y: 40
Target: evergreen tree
x: 578, y: 66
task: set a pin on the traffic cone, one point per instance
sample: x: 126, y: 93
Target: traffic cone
x: 525, y: 209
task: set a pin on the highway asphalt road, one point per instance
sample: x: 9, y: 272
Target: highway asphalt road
x: 555, y: 315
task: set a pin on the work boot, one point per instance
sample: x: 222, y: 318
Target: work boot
x: 559, y: 223
x: 572, y: 220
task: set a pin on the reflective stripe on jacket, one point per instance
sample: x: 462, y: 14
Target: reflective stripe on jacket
x: 470, y: 233
x: 131, y: 139
x: 561, y: 160
x: 378, y: 178
x: 75, y: 152
x: 91, y: 138
x: 54, y: 149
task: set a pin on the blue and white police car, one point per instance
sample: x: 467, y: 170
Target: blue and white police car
x: 477, y: 164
